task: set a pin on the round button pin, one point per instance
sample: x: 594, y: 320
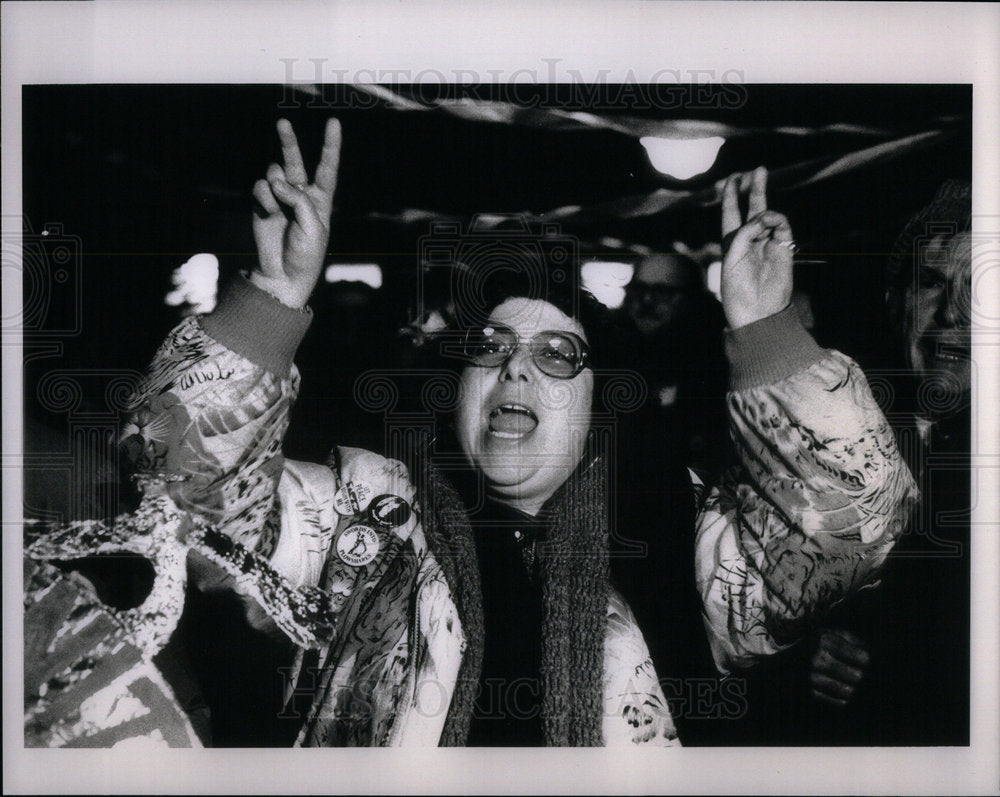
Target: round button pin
x: 389, y: 511
x: 358, y: 545
x: 352, y: 498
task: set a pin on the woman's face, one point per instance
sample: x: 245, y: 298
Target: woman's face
x: 938, y: 314
x: 524, y: 430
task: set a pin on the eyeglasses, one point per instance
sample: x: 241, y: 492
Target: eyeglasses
x: 557, y: 354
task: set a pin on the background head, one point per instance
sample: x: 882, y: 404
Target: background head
x: 930, y: 290
x: 661, y: 294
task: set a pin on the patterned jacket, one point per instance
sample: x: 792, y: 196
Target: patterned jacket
x: 823, y: 496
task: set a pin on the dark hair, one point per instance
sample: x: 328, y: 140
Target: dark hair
x: 693, y: 275
x: 473, y: 296
x: 949, y: 213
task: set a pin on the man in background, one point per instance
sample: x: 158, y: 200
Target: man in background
x: 680, y: 354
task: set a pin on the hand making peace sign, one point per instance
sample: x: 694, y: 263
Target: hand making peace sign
x: 291, y: 225
x: 757, y: 266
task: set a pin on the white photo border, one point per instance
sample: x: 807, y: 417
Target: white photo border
x: 780, y: 42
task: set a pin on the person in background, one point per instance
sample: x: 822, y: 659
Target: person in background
x: 891, y: 666
x: 679, y: 351
x: 405, y: 604
x: 909, y: 639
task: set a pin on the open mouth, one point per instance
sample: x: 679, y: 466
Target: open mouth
x: 512, y: 421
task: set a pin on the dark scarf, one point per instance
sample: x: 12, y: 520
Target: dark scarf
x: 573, y: 563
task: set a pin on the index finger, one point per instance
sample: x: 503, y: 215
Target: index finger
x: 329, y: 159
x: 295, y: 170
x: 758, y: 192
x: 731, y: 219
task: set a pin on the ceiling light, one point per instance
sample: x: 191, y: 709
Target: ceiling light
x: 682, y: 158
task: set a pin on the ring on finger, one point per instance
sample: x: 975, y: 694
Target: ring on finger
x: 790, y: 245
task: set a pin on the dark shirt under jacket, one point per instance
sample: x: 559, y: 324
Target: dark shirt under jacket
x: 508, y: 708
x: 652, y: 566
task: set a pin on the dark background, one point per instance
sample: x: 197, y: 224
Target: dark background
x: 130, y: 181
x: 145, y: 176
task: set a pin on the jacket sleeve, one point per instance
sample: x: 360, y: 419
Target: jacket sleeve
x: 821, y: 497
x: 211, y: 412
x: 635, y: 708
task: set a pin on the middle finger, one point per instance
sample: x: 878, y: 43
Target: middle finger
x: 829, y: 663
x: 831, y: 686
x: 844, y: 673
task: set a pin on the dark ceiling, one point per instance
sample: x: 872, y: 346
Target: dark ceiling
x: 144, y: 176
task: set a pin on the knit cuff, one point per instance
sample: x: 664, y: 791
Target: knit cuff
x: 769, y: 350
x: 255, y: 325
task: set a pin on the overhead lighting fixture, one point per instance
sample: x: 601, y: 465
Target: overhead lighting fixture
x: 682, y: 158
x: 368, y: 273
x: 607, y: 281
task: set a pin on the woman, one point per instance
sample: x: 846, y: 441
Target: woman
x: 421, y: 613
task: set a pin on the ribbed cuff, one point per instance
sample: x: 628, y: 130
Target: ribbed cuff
x: 769, y: 350
x: 255, y: 325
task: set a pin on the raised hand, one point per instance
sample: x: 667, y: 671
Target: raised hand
x: 757, y: 266
x: 291, y: 225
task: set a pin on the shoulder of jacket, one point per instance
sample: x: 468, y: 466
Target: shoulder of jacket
x: 312, y: 477
x: 368, y: 475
